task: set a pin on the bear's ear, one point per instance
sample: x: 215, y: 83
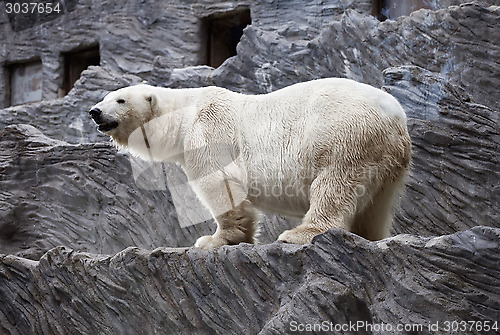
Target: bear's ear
x: 153, y: 101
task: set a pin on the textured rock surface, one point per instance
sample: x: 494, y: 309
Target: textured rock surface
x: 132, y: 33
x: 360, y: 47
x: 339, y: 278
x: 456, y: 170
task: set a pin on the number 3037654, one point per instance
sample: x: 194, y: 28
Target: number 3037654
x: 32, y: 7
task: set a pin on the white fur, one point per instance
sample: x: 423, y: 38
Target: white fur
x: 331, y: 151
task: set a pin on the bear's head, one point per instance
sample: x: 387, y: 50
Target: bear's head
x: 125, y: 110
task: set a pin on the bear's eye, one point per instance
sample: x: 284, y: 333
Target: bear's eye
x: 120, y: 101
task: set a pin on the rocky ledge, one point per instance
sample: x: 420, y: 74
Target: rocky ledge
x: 338, y: 280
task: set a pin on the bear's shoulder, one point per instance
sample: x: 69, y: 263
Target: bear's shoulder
x: 214, y: 102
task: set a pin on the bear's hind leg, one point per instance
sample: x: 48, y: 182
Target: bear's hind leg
x: 375, y: 221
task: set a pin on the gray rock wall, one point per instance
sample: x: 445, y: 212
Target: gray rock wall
x: 131, y: 34
x: 360, y: 47
x: 339, y: 279
x: 455, y: 169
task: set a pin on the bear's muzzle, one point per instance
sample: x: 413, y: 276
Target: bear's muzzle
x: 102, y: 124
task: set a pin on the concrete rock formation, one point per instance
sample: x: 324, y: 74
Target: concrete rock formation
x: 269, y: 289
x: 63, y: 183
x: 455, y: 141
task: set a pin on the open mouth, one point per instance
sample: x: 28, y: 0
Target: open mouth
x: 104, y: 127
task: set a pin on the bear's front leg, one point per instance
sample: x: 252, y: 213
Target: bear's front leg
x: 226, y: 197
x: 233, y: 227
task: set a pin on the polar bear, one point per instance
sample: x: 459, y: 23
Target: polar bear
x: 332, y: 152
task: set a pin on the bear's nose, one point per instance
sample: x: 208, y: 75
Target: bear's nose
x: 95, y: 114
